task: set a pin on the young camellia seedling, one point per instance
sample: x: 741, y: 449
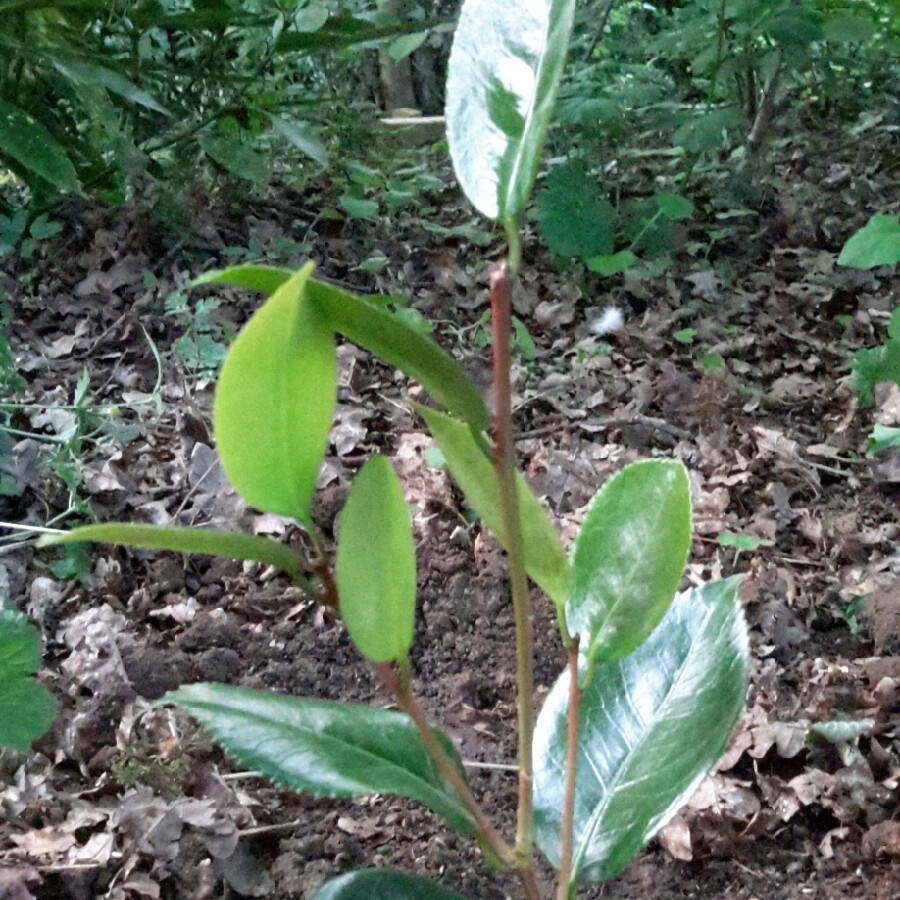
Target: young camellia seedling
x: 655, y: 679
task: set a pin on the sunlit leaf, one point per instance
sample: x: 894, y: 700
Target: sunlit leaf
x: 375, y: 566
x: 505, y: 65
x: 650, y: 727
x: 323, y: 748
x: 629, y: 557
x: 274, y: 402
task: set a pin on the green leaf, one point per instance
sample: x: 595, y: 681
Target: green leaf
x: 628, y: 558
x: 266, y: 279
x: 27, y: 708
x: 404, y: 347
x: 376, y: 565
x: 184, y: 540
x: 28, y: 143
x: 305, y: 137
x: 382, y: 884
x: 881, y: 438
x: 274, y: 401
x: 611, y: 263
x: 323, y: 748
x: 504, y: 69
x: 91, y: 74
x: 650, y: 727
x: 741, y: 541
x: 674, y: 206
x: 235, y: 157
x: 871, y: 367
x: 573, y: 218
x: 875, y: 244
x: 685, y: 335
x: 357, y: 208
x: 545, y: 558
x: 398, y: 341
x: 408, y: 43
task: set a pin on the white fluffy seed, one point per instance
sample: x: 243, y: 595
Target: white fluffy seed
x: 611, y: 319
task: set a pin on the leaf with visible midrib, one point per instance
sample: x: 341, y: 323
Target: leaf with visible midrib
x: 650, y: 727
x: 628, y: 557
x: 375, y: 565
x: 323, y: 748
x: 274, y: 402
x: 504, y: 69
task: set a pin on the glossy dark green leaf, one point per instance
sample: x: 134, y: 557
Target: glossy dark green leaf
x: 404, y: 347
x: 185, y: 540
x: 275, y: 399
x: 545, y: 559
x: 383, y: 884
x: 505, y: 65
x: 650, y: 727
x: 27, y: 708
x: 629, y: 557
x: 30, y: 145
x: 323, y: 748
x: 375, y: 565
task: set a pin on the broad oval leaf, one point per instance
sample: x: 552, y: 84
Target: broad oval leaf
x: 26, y: 141
x: 650, y: 727
x: 504, y: 69
x: 629, y: 557
x: 274, y: 402
x: 375, y: 565
x: 383, y: 884
x: 185, y: 540
x: 323, y: 748
x: 545, y: 558
x: 27, y: 708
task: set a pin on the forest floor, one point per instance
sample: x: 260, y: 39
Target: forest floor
x: 737, y: 364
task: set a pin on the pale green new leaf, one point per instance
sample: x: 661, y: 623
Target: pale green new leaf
x: 629, y: 557
x: 375, y: 565
x: 650, y: 727
x: 185, y: 540
x: 545, y: 558
x: 274, y: 402
x: 504, y: 69
x: 323, y: 748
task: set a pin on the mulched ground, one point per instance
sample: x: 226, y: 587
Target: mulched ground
x: 121, y: 799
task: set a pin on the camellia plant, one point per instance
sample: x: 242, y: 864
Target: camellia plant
x: 655, y: 679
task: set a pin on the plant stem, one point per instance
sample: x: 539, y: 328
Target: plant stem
x: 505, y: 463
x: 398, y: 684
x: 568, y: 811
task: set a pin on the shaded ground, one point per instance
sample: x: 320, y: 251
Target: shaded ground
x: 124, y: 800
